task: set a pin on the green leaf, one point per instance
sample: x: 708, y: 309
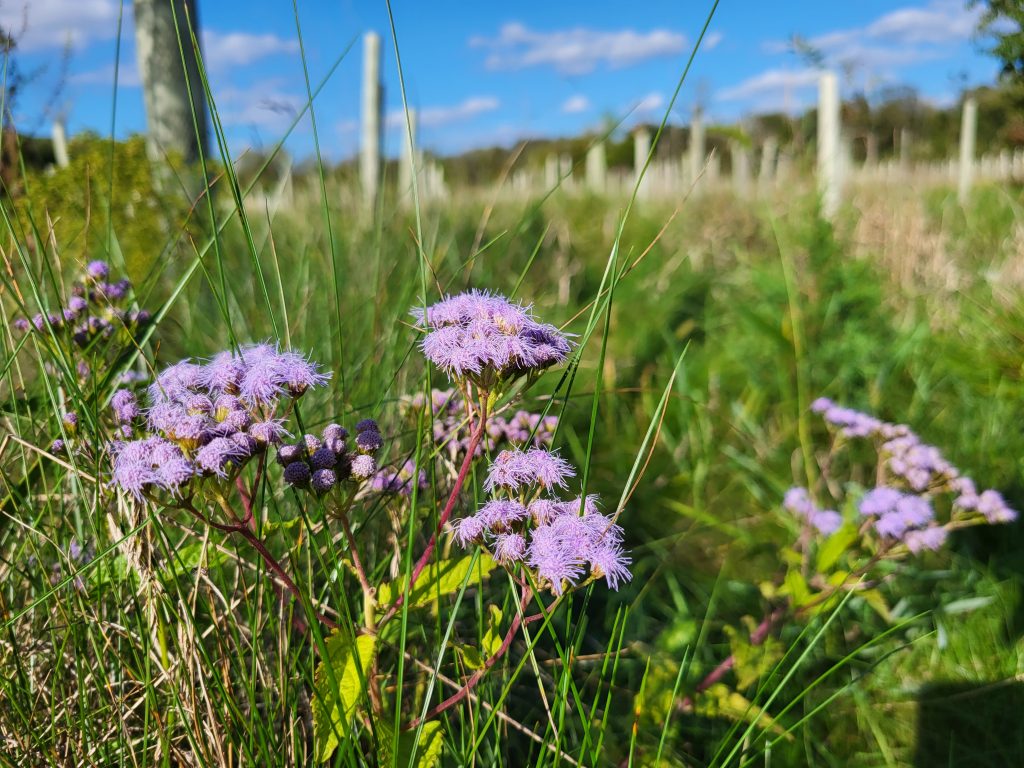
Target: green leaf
x: 834, y: 546
x: 442, y: 578
x: 796, y: 587
x: 720, y: 701
x: 875, y: 599
x: 493, y: 638
x: 334, y: 701
x: 471, y: 656
x: 428, y: 749
x: 752, y: 662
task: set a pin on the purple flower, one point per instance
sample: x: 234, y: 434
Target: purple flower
x: 297, y: 473
x: 798, y: 502
x: 543, y: 511
x: 70, y: 420
x: 323, y: 480
x: 287, y: 454
x: 473, y: 331
x: 97, y: 270
x: 270, y: 431
x: 175, y: 382
x: 312, y: 444
x: 57, y: 446
x: 125, y: 406
x: 560, y: 549
x: 77, y: 304
x: 516, y: 468
x: 152, y: 461
x: 369, y: 441
x: 363, y: 467
x: 992, y: 505
x: 367, y: 425
x: 509, y: 547
x: 323, y: 458
x: 215, y: 456
x: 469, y: 530
x: 400, y: 481
x: 22, y: 324
x: 501, y: 513
x: 932, y: 537
x: 821, y: 405
x: 879, y: 501
x: 826, y: 522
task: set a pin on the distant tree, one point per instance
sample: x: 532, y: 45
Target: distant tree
x: 1004, y: 20
x: 172, y: 88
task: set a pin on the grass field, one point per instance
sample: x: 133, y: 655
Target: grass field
x: 131, y: 635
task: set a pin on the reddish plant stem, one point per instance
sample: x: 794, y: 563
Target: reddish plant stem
x: 276, y: 567
x: 757, y: 637
x: 421, y: 564
x: 477, y: 676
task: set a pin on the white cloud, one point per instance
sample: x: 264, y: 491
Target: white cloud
x: 652, y: 102
x: 575, y: 51
x: 576, y: 104
x: 771, y: 82
x: 39, y: 24
x: 903, y: 36
x: 234, y: 49
x: 711, y: 40
x: 432, y: 117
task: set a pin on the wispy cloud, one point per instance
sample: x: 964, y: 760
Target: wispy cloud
x: 903, y: 36
x: 574, y: 51
x: 234, y: 49
x: 652, y: 102
x: 574, y: 105
x: 433, y: 117
x: 771, y: 82
x: 711, y: 40
x: 41, y: 24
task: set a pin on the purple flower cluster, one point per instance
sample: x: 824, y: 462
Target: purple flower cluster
x: 903, y: 517
x: 561, y: 541
x: 914, y: 464
x: 486, y: 337
x: 93, y: 310
x: 206, y: 419
x: 324, y: 463
x: 451, y: 427
x: 799, y: 503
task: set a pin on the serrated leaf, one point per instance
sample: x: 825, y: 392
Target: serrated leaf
x: 442, y: 578
x: 834, y: 546
x: 335, y: 701
x: 427, y: 752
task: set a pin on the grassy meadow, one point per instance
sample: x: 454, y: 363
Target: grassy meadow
x: 132, y: 636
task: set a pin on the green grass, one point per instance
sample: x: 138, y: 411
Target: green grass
x: 704, y: 332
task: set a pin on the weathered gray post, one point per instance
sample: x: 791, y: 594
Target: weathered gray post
x: 769, y: 150
x: 698, y: 147
x: 641, y: 150
x: 551, y: 172
x: 740, y: 168
x: 828, y: 143
x: 968, y: 135
x: 167, y: 80
x: 60, y: 145
x: 906, y: 142
x: 407, y: 161
x: 597, y: 168
x: 369, y: 146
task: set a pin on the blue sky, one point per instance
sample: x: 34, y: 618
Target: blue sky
x: 492, y: 73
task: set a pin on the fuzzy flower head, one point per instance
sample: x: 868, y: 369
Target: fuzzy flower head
x: 515, y: 468
x: 562, y: 542
x: 487, y: 337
